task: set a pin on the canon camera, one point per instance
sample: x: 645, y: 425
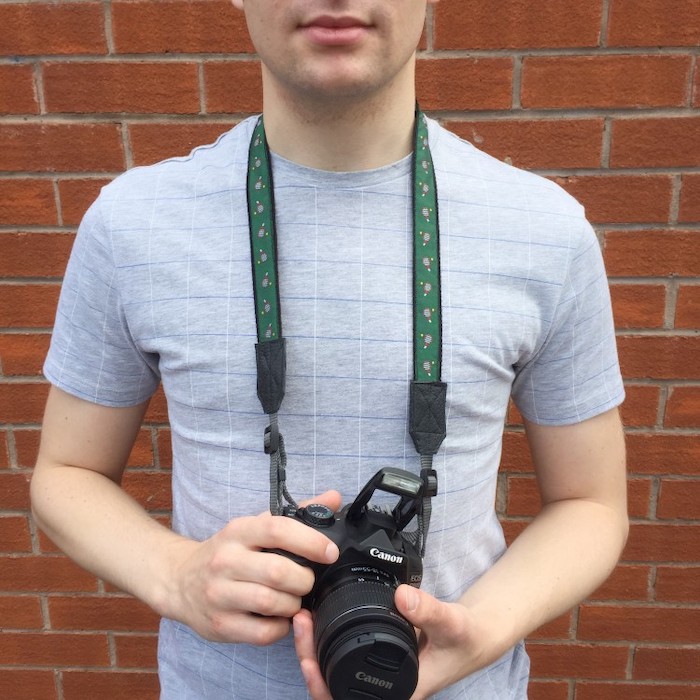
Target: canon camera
x: 366, y: 648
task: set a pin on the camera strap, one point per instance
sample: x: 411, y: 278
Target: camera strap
x: 427, y: 396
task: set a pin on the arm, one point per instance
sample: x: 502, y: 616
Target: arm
x: 568, y: 550
x: 214, y: 585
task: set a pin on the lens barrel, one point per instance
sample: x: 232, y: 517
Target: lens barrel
x: 366, y: 649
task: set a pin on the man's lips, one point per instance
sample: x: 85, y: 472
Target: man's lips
x: 335, y: 31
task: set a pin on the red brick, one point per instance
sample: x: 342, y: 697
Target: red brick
x: 652, y: 253
x: 465, y: 83
x: 604, y: 81
x: 27, y: 202
x: 690, y: 199
x: 638, y: 305
x: 20, y: 685
x: 651, y: 542
x: 513, y: 528
x: 46, y: 545
x: 157, y: 408
x: 516, y: 24
x: 641, y: 404
x: 659, y: 357
x: 55, y: 573
x: 537, y: 143
x: 147, y: 88
x: 638, y: 624
x: 683, y: 407
x: 523, y: 496
x: 663, y: 453
x: 14, y: 490
x: 50, y: 649
x: 688, y: 307
x: 4, y: 450
x: 666, y: 664
x: 142, y: 451
x: 165, y: 449
x: 22, y: 354
x: 151, y: 143
x: 76, y: 196
x: 20, y: 612
x: 548, y: 690
x: 679, y: 499
x: 78, y: 685
x: 136, y: 651
x: 635, y: 691
x: 577, y: 660
x: 52, y: 28
x: 514, y: 417
x: 655, y: 143
x: 28, y: 305
x: 516, y: 453
x: 678, y: 584
x: 559, y: 628
x: 177, y: 26
x: 654, y: 23
x: 101, y: 613
x: 18, y: 95
x: 218, y: 79
x: 34, y: 254
x: 151, y: 489
x: 14, y: 534
x: 625, y: 583
x: 61, y: 148
x: 22, y: 403
x: 623, y: 199
x: 638, y: 497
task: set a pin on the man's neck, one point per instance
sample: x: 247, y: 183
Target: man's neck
x: 348, y: 136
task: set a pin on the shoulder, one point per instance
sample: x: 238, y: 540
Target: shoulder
x: 207, y: 167
x: 469, y: 170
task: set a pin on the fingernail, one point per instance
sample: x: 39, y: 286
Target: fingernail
x: 296, y: 626
x: 412, y: 599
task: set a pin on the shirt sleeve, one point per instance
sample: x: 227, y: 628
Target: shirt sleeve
x: 92, y: 353
x: 575, y: 374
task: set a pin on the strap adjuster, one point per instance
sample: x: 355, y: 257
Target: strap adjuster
x: 271, y: 439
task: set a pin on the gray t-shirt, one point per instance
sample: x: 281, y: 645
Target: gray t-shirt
x: 159, y: 289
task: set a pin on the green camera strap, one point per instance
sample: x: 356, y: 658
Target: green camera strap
x: 427, y: 397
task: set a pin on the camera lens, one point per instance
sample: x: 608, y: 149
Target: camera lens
x: 366, y: 648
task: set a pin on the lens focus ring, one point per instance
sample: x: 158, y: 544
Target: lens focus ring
x: 360, y: 635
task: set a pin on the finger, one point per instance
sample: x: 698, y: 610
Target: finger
x: 253, y: 597
x: 248, y: 629
x: 271, y: 570
x: 306, y: 651
x: 288, y: 534
x: 331, y: 499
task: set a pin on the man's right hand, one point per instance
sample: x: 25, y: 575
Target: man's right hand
x: 228, y: 590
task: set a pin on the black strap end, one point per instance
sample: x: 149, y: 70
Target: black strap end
x: 426, y: 415
x: 272, y: 372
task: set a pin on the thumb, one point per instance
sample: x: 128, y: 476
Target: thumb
x: 331, y: 499
x: 419, y: 608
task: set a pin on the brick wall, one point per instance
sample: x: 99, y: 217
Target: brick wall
x: 603, y: 96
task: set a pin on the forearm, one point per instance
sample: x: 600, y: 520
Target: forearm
x: 570, y: 548
x: 104, y: 530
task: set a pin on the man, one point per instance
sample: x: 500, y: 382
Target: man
x: 159, y: 288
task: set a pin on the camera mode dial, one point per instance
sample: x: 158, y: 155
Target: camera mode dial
x: 317, y: 515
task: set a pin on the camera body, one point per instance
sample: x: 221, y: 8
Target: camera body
x: 366, y: 648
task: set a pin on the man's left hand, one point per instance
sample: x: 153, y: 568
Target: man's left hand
x: 451, y: 643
